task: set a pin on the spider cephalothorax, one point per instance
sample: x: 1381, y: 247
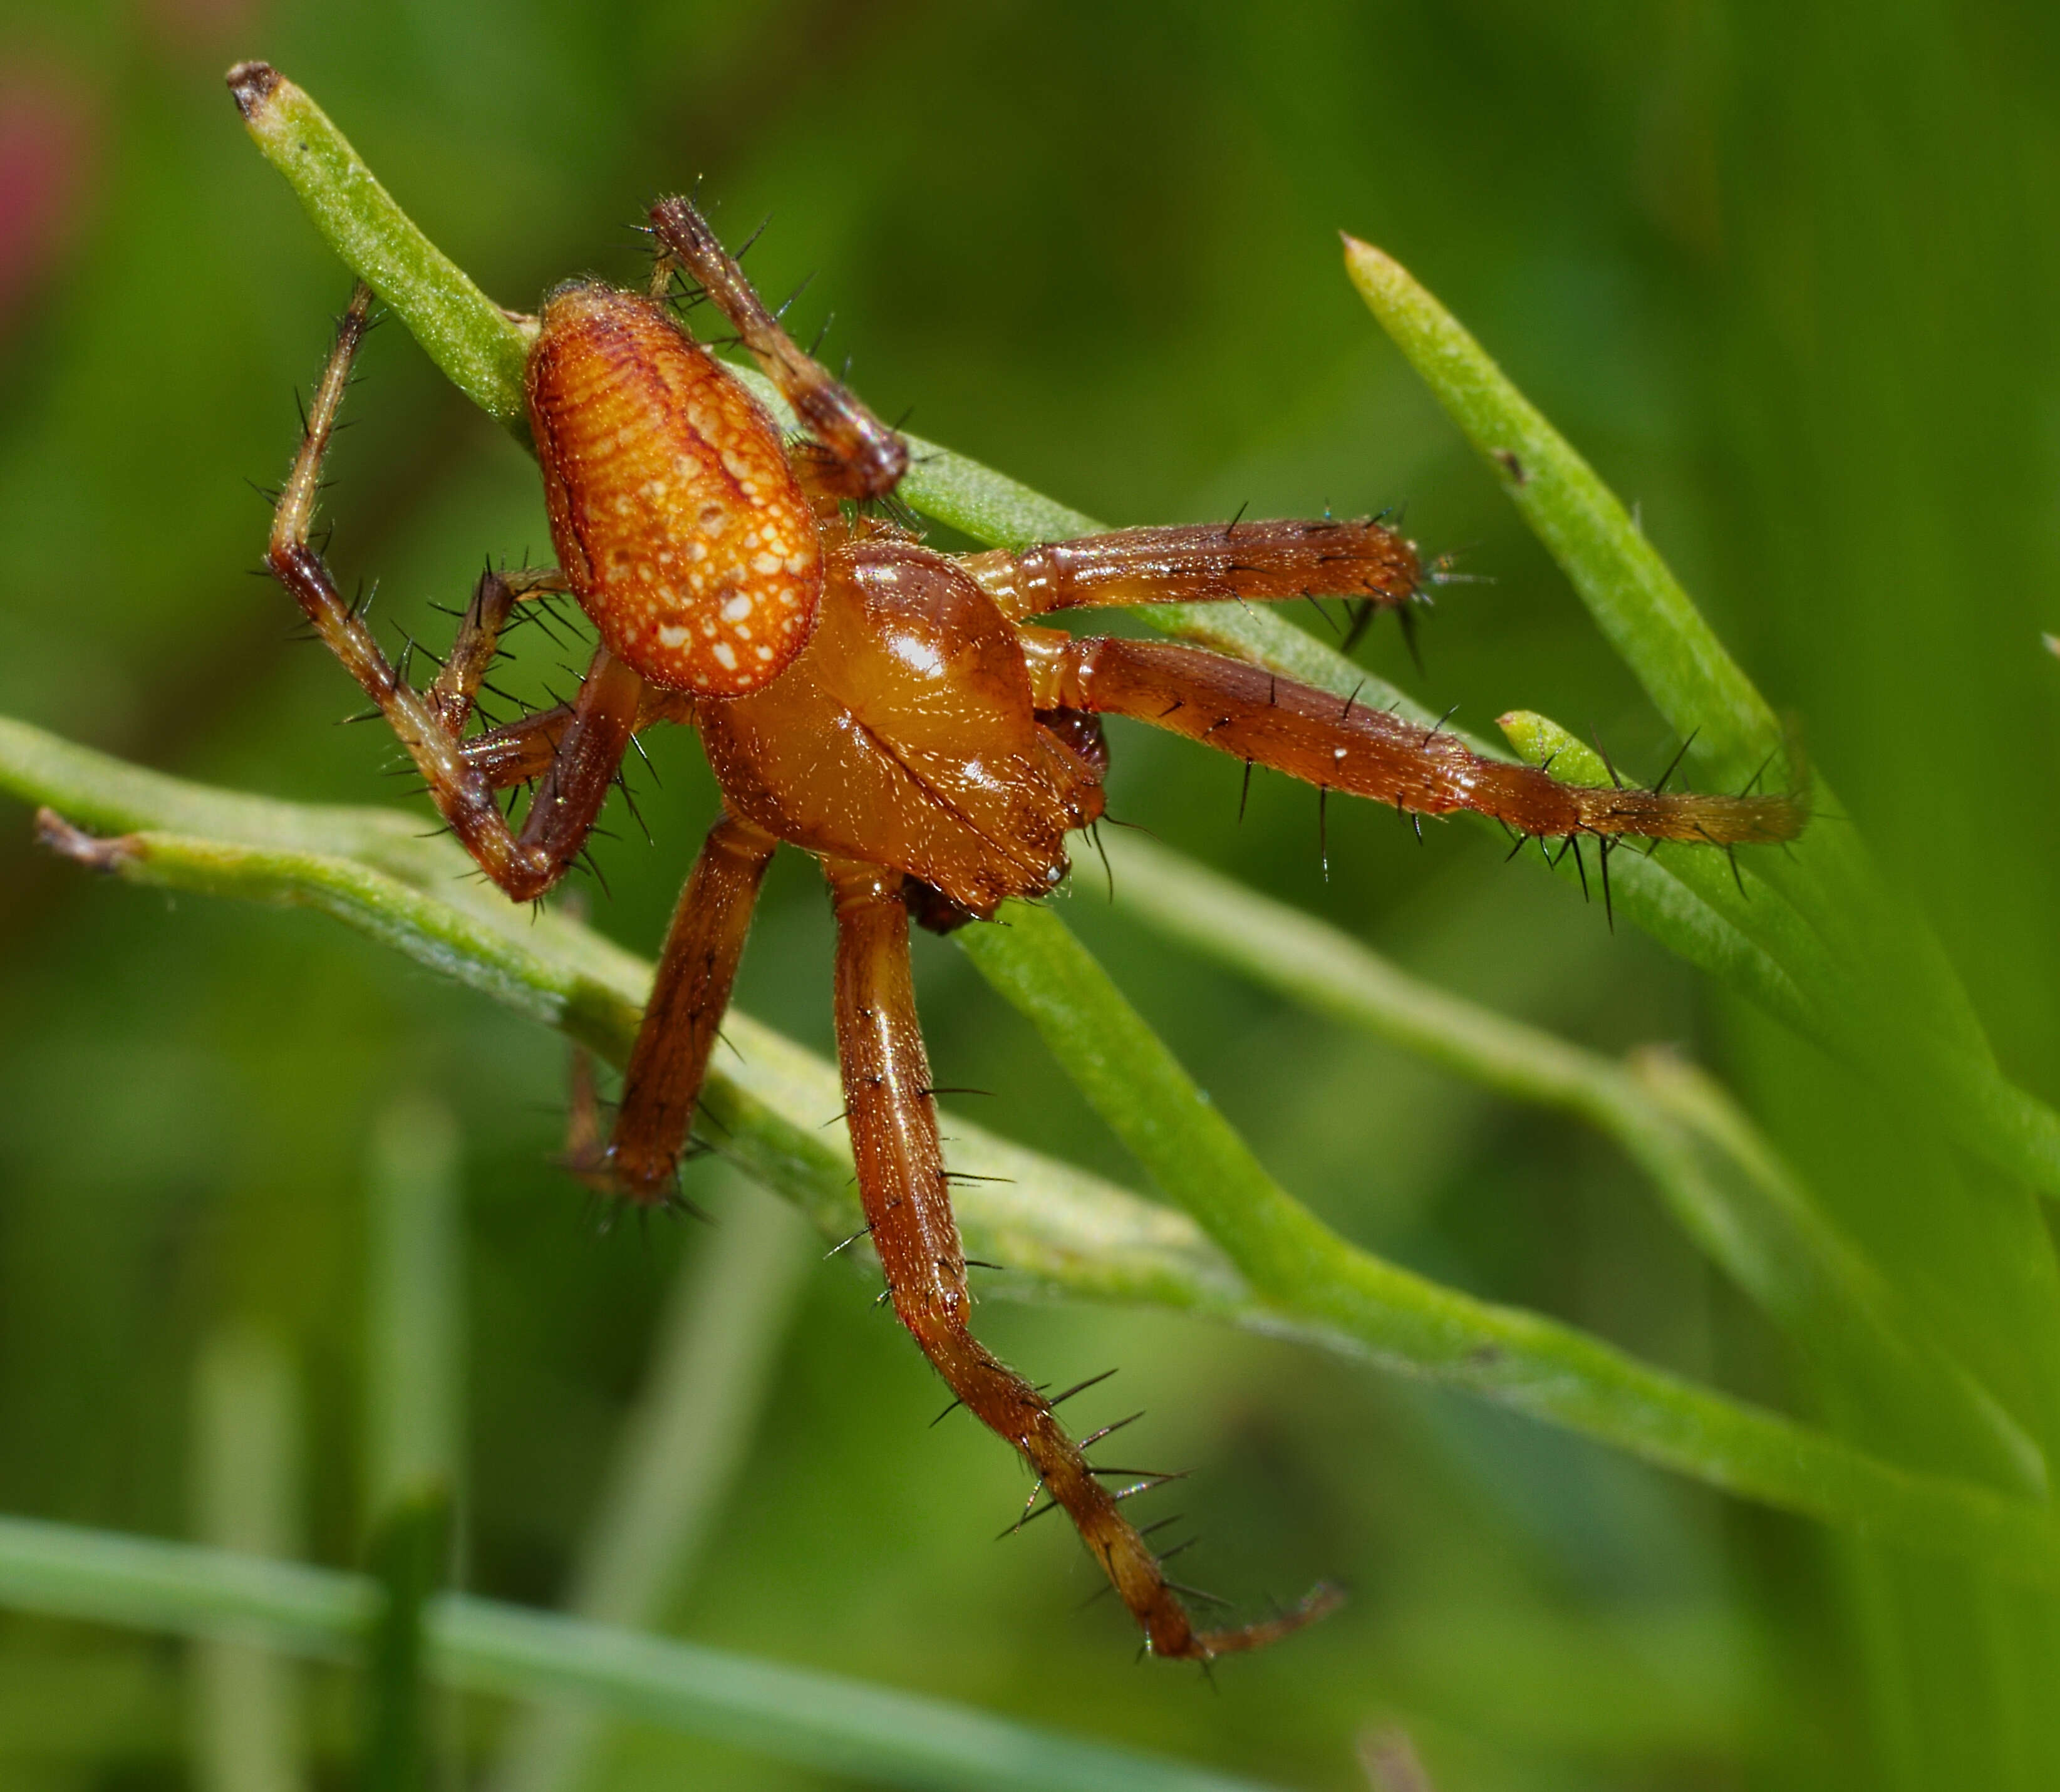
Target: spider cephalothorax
x: 889, y: 709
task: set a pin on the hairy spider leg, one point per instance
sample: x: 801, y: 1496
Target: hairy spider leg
x: 1337, y: 744
x: 589, y: 751
x: 521, y: 749
x: 1204, y: 563
x: 892, y: 1113
x: 689, y: 999
x: 858, y: 456
x: 454, y: 689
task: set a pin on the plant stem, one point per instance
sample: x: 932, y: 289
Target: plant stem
x: 246, y: 1496
x: 1640, y: 605
x: 1724, y: 1184
x: 414, y: 1337
x: 822, y: 1721
x: 481, y: 348
x: 1317, y: 1283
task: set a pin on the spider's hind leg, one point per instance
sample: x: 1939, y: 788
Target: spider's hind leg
x: 892, y: 1113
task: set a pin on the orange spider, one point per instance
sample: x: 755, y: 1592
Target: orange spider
x: 888, y: 709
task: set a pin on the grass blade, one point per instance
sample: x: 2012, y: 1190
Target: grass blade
x: 1628, y: 589
x: 1317, y: 1282
x: 1063, y: 1231
x: 1723, y: 1182
x: 818, y: 1720
x: 246, y: 1497
x: 680, y: 1452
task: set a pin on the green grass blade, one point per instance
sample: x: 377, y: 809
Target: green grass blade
x: 1723, y: 1182
x: 414, y: 1420
x: 680, y: 1452
x: 1317, y: 1282
x: 1845, y: 991
x: 481, y: 348
x: 410, y: 1556
x: 1638, y: 604
x: 246, y: 1496
x: 1921, y: 1017
x: 818, y: 1720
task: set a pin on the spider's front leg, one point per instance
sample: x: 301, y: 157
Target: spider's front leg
x: 1334, y: 742
x: 588, y: 753
x: 1337, y: 743
x: 892, y: 1114
x: 1360, y: 559
x: 456, y: 687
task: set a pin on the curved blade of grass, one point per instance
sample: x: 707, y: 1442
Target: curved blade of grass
x: 1317, y: 1282
x: 1272, y: 1267
x: 481, y: 348
x: 1061, y: 1230
x: 822, y: 1721
x: 1923, y: 1012
x: 1628, y: 589
x: 1725, y: 1185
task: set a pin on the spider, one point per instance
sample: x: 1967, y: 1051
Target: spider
x: 891, y: 710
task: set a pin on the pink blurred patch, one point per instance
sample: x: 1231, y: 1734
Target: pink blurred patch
x: 46, y: 143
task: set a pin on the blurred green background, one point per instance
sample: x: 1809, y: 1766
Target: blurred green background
x: 1785, y: 272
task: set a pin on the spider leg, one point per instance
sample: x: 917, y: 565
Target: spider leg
x: 688, y: 998
x: 1328, y: 741
x: 524, y: 748
x: 518, y: 751
x: 576, y: 781
x: 860, y: 457
x: 493, y: 600
x: 1204, y: 563
x: 907, y: 1203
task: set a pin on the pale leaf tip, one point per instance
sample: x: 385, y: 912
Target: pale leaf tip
x: 1532, y: 736
x: 1370, y: 266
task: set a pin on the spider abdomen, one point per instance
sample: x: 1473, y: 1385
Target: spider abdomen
x: 673, y: 508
